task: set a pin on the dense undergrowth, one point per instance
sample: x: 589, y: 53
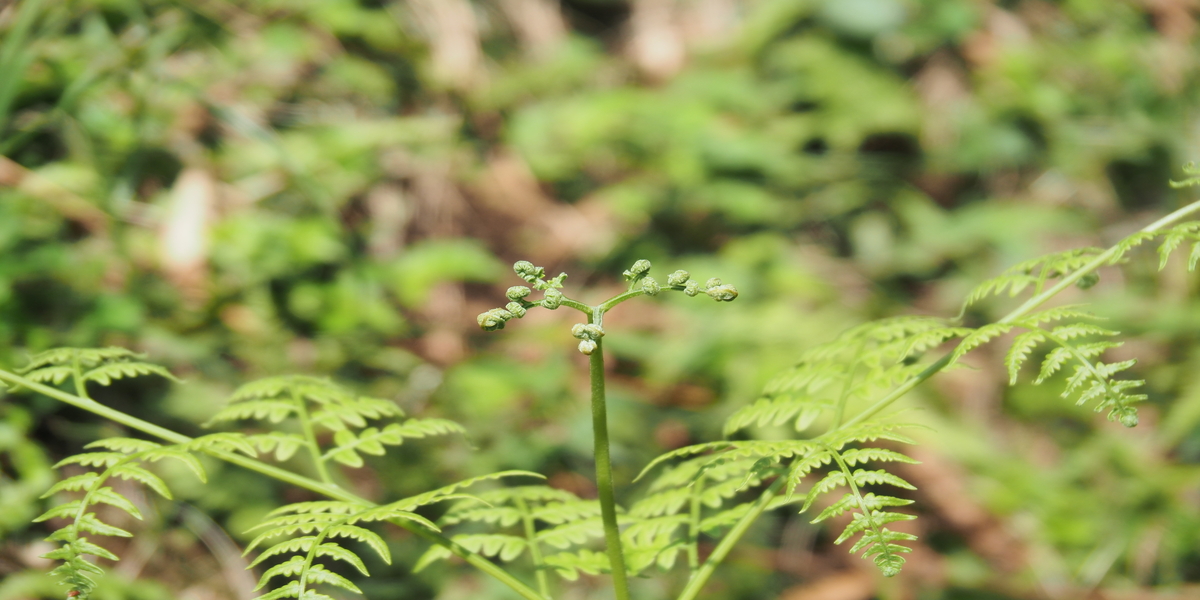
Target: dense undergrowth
x: 240, y: 190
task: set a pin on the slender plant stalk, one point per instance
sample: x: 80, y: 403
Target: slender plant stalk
x: 310, y: 436
x: 727, y: 543
x: 535, y: 550
x: 604, y: 482
x: 693, y: 546
x: 329, y: 490
x: 77, y: 376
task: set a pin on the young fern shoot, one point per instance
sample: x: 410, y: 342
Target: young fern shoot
x: 589, y: 335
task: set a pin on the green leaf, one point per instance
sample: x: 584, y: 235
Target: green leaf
x: 106, y: 495
x: 146, y: 478
x: 91, y: 524
x: 106, y: 374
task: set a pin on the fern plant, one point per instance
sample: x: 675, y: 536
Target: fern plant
x: 834, y: 463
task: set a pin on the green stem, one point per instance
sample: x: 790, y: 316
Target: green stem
x: 535, y: 551
x: 310, y: 437
x: 693, y: 547
x: 604, y: 481
x: 608, y: 305
x: 297, y: 480
x: 701, y: 577
x: 840, y: 413
x: 577, y: 305
x: 696, y: 583
x: 77, y: 376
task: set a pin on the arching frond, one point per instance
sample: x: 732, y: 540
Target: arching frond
x: 99, y: 365
x: 124, y: 458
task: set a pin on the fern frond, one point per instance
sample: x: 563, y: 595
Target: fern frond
x: 861, y: 362
x: 557, y: 513
x: 319, y: 522
x: 870, y: 512
x: 284, y: 445
x: 101, y: 365
x: 371, y: 440
x: 52, y: 374
x: 452, y: 491
x: 1033, y: 274
x: 980, y: 337
x: 124, y: 459
x: 105, y: 374
x: 505, y: 547
x: 1019, y: 352
x: 1091, y: 379
x: 503, y: 516
x: 88, y: 357
x: 734, y: 450
x: 274, y: 411
x: 662, y: 503
x: 572, y: 534
x: 568, y: 565
x: 869, y: 431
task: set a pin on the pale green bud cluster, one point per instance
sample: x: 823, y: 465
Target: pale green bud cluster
x: 637, y: 271
x: 494, y: 319
x: 552, y: 299
x: 679, y: 280
x: 588, y: 334
x: 518, y: 296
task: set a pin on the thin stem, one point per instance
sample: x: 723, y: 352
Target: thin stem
x: 696, y: 583
x: 701, y: 577
x: 693, y: 549
x: 604, y: 482
x: 840, y: 413
x: 535, y: 551
x: 295, y: 479
x: 608, y: 305
x: 577, y: 305
x: 77, y: 376
x: 310, y: 437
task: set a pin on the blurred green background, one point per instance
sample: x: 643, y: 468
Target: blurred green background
x: 251, y: 187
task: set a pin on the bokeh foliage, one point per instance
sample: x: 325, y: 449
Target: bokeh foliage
x: 256, y: 187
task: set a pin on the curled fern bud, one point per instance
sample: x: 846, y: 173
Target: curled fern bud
x: 1088, y: 280
x: 493, y: 319
x: 722, y: 293
x: 678, y: 278
x: 650, y: 286
x: 527, y: 271
x: 516, y: 309
x: 553, y: 299
x: 691, y: 288
x: 587, y: 331
x: 712, y: 283
x: 639, y: 269
x: 517, y: 292
x: 587, y: 347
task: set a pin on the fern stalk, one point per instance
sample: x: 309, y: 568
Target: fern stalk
x: 310, y: 438
x: 77, y: 377
x: 604, y: 482
x: 701, y: 577
x: 693, y: 547
x: 535, y: 550
x: 328, y: 490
